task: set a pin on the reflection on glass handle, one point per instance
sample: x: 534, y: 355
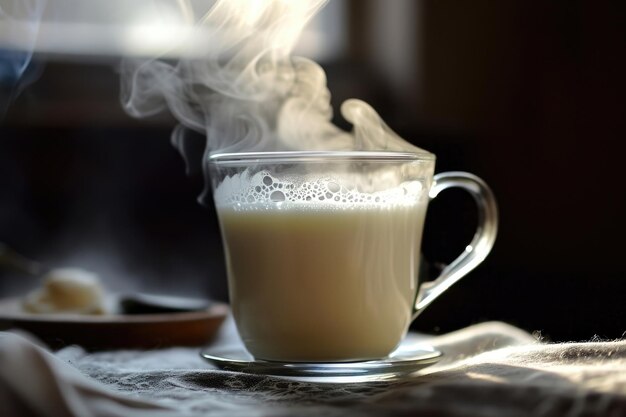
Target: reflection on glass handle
x: 480, y: 245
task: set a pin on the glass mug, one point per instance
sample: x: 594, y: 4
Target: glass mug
x: 323, y: 248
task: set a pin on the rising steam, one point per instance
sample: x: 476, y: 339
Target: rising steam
x: 244, y: 90
x: 19, y: 24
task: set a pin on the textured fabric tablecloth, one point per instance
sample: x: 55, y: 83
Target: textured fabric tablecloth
x: 491, y: 369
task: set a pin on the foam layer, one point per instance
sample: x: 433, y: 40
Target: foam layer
x: 263, y: 190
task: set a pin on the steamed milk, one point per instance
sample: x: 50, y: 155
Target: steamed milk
x: 322, y: 280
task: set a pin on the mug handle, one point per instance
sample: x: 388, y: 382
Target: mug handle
x: 479, y: 247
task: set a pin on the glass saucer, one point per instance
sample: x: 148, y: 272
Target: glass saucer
x: 409, y: 357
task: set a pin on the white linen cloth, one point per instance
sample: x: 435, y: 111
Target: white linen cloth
x: 491, y: 369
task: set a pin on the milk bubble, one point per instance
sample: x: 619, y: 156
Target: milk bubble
x: 263, y: 190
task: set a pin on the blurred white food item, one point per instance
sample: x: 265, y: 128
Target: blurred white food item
x: 67, y: 290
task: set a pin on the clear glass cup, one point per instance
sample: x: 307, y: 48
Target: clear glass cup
x: 323, y: 248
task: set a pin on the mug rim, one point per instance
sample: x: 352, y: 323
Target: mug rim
x: 243, y: 158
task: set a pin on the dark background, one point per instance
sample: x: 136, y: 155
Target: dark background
x: 528, y: 95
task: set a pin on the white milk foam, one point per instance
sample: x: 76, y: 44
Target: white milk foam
x: 263, y: 191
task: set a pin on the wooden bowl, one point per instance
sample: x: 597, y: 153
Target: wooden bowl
x: 147, y: 331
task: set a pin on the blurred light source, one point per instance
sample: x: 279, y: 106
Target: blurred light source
x: 95, y: 28
x: 157, y: 38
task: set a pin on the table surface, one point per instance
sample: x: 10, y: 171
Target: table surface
x: 488, y: 369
